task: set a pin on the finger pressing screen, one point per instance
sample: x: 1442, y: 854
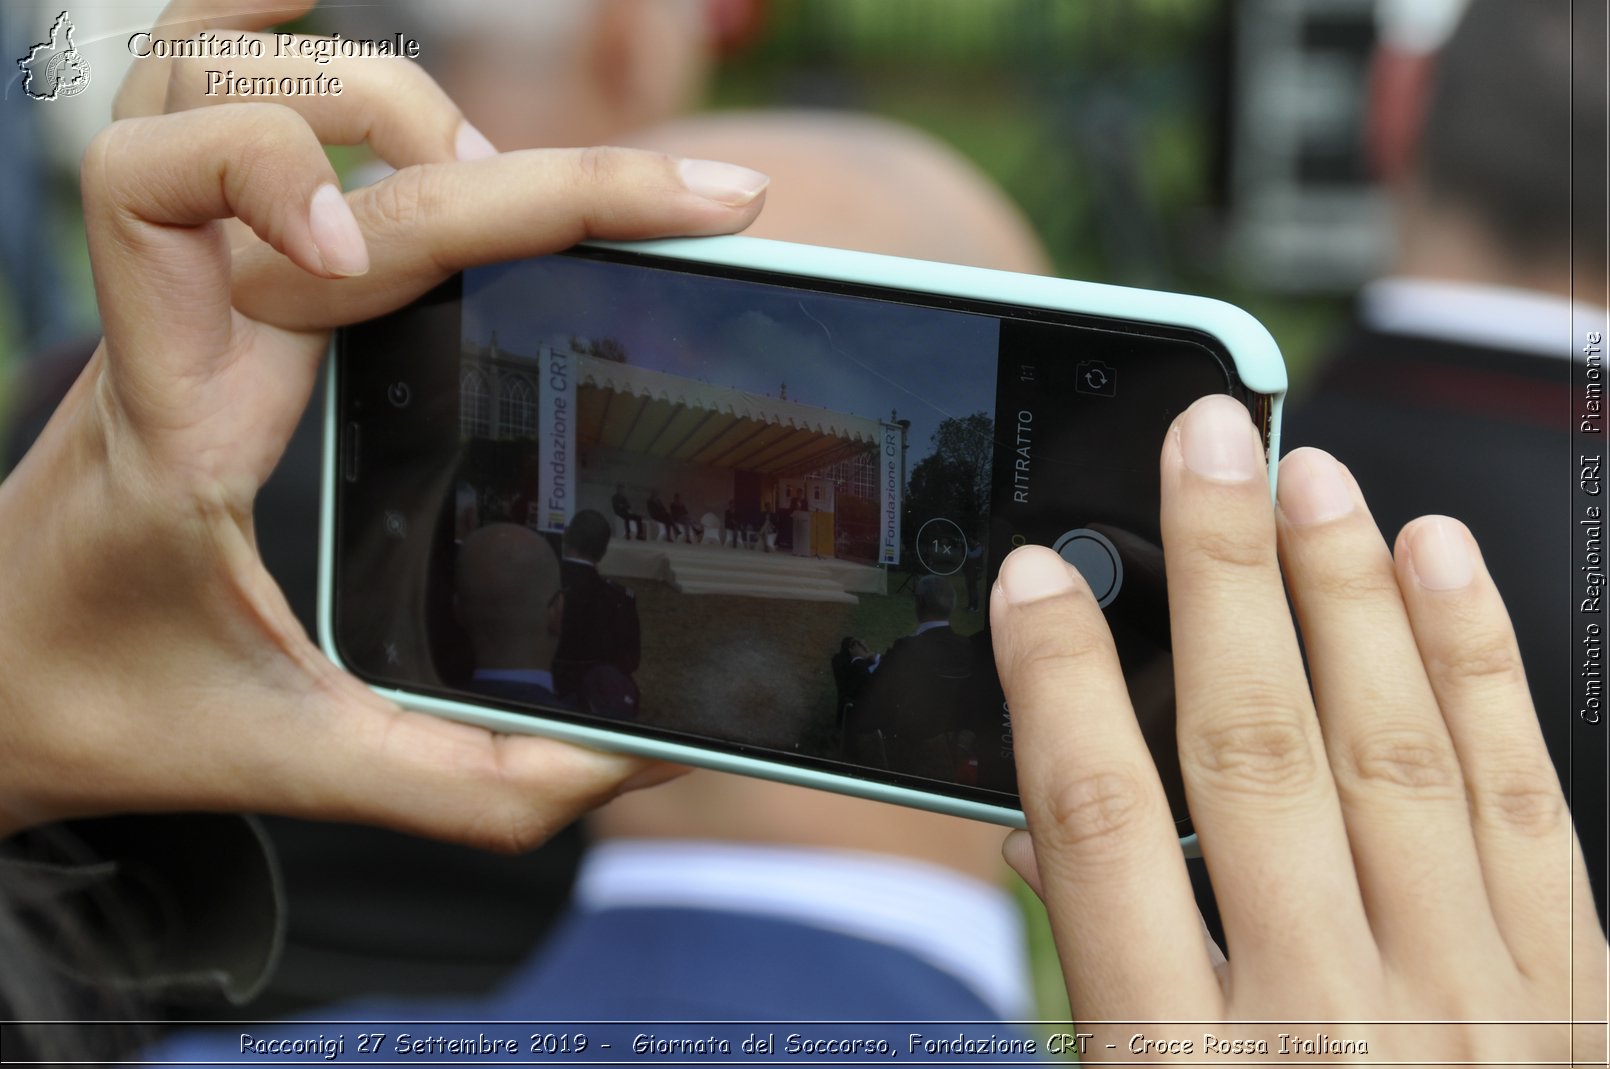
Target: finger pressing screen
x: 1108, y: 863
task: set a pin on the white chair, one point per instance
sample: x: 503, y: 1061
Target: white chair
x: 712, y: 529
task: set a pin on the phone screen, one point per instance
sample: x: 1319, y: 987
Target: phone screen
x: 756, y: 513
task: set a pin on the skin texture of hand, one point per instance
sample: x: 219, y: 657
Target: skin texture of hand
x: 151, y: 661
x: 1389, y: 845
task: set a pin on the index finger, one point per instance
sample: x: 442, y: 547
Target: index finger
x: 145, y: 88
x: 423, y: 223
x: 1113, y: 874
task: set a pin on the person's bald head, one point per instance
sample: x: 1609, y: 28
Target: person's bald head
x: 552, y: 73
x: 862, y: 182
x: 508, y: 596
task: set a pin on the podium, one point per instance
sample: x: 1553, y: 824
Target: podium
x: 822, y: 534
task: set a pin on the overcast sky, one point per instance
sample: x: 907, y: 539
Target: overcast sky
x: 841, y: 353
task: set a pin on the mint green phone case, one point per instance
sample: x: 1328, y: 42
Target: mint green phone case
x: 1257, y: 361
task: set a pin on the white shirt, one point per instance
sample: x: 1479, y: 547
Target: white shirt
x: 968, y: 929
x: 1498, y: 317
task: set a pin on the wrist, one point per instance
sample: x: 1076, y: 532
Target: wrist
x: 50, y: 508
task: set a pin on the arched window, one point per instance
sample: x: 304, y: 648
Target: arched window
x: 517, y: 408
x: 474, y: 405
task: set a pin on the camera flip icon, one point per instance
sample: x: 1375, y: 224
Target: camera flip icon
x: 1096, y: 377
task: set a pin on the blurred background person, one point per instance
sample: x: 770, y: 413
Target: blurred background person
x: 1450, y: 391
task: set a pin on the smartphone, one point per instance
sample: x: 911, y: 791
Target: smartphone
x: 739, y: 503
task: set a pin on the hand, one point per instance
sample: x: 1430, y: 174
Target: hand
x: 1391, y: 845
x: 151, y: 663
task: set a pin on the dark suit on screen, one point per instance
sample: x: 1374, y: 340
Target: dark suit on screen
x: 600, y: 635
x: 908, y: 705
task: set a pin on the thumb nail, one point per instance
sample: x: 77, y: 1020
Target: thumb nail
x: 724, y: 182
x: 1030, y: 573
x: 336, y: 234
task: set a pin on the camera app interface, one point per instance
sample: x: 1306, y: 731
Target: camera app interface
x: 732, y: 510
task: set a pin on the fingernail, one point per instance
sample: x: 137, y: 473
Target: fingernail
x: 471, y: 144
x: 1439, y: 554
x: 1313, y: 488
x: 336, y: 234
x: 724, y: 182
x: 1217, y: 440
x: 1030, y: 573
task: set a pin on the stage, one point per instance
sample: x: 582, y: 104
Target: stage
x: 711, y: 569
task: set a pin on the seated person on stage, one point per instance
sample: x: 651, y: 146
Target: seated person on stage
x: 766, y: 530
x: 661, y: 515
x: 679, y: 517
x: 510, y: 602
x: 904, y: 716
x: 732, y: 524
x: 785, y: 528
x: 623, y: 508
x: 600, y: 642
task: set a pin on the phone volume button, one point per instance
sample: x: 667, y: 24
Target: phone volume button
x: 349, y: 452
